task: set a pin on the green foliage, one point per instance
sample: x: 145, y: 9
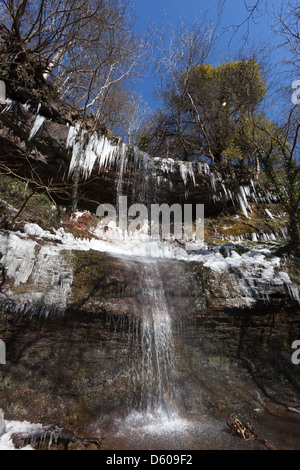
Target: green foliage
x: 207, y: 113
x: 281, y: 166
x: 233, y: 153
x: 238, y: 84
x: 39, y: 206
x: 222, y: 99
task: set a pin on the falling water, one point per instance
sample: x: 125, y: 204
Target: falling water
x: 153, y: 410
x: 157, y: 343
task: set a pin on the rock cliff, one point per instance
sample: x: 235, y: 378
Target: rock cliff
x: 75, y: 306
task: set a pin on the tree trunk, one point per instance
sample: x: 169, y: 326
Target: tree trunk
x: 294, y: 230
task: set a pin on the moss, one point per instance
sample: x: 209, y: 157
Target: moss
x: 293, y: 268
x: 76, y: 372
x: 90, y: 272
x: 92, y: 336
x: 39, y: 208
x: 222, y: 228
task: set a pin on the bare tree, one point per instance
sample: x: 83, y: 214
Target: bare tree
x: 133, y: 116
x: 288, y: 27
x: 253, y: 11
x: 177, y: 50
x: 280, y: 160
x: 85, y: 47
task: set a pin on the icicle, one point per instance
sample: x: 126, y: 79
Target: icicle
x: 224, y: 189
x: 294, y: 292
x: 9, y: 104
x: 75, y: 155
x: 183, y: 172
x: 90, y: 157
x: 243, y: 200
x: 269, y: 214
x: 166, y: 164
x: 73, y: 132
x: 191, y: 173
x: 203, y: 168
x: 2, y: 92
x: 39, y: 120
x: 213, y: 181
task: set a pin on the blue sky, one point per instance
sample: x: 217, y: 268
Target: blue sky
x: 234, y: 13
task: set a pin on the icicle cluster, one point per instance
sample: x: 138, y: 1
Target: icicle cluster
x: 90, y: 150
x: 98, y: 150
x: 24, y: 260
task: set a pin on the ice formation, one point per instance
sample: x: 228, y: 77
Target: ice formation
x: 89, y: 151
x: 52, y: 278
x: 16, y: 427
x: 39, y: 120
x: 25, y: 259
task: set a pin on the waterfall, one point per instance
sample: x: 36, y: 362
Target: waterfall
x: 157, y: 343
x: 154, y: 412
x: 153, y: 351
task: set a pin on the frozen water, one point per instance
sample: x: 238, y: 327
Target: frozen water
x: 269, y: 214
x: 2, y: 92
x: 102, y: 152
x: 39, y: 120
x: 15, y: 427
x: 24, y: 258
x: 18, y: 257
x: 2, y: 424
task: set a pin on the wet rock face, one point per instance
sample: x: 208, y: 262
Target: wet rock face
x: 75, y: 369
x: 65, y: 370
x: 70, y: 365
x: 43, y: 277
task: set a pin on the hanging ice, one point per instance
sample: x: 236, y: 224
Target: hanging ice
x: 73, y: 132
x: 101, y: 151
x: 98, y: 150
x: 39, y: 120
x: 242, y: 198
x: 18, y: 258
x: 269, y: 214
x: 213, y: 181
x: 186, y: 169
x: 2, y: 92
x: 24, y: 260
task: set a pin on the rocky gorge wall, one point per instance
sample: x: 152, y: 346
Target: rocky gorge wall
x: 77, y: 309
x: 72, y: 324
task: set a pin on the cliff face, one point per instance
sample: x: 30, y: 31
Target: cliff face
x: 93, y: 325
x: 73, y: 320
x: 39, y: 141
